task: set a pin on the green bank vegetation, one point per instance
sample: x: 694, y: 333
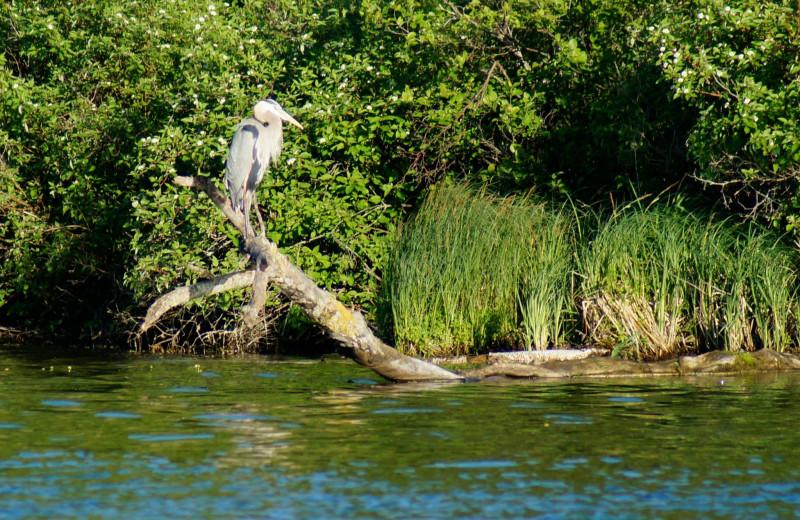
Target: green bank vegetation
x: 102, y: 102
x: 472, y: 270
x: 469, y: 264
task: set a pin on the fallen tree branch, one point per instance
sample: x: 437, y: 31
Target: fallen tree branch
x: 183, y: 295
x: 346, y: 326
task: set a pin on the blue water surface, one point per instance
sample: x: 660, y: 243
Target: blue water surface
x: 159, y: 438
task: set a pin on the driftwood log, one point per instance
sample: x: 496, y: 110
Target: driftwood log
x: 350, y: 329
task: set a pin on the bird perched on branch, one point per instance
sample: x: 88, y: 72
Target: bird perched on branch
x: 256, y: 145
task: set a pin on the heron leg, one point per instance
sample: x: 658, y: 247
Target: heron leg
x: 258, y: 215
x: 248, y: 227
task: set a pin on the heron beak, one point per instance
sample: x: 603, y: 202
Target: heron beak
x: 293, y: 121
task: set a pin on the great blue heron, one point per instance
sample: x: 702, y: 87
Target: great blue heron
x: 255, y: 145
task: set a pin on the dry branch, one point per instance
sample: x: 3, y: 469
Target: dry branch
x: 342, y: 324
x: 183, y: 295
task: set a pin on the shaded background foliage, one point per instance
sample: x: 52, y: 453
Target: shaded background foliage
x: 102, y: 102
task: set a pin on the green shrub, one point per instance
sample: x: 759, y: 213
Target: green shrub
x: 735, y: 64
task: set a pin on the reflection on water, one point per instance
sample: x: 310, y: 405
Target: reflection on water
x: 149, y: 438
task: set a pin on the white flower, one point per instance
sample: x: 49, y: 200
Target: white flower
x: 202, y: 19
x: 322, y: 140
x: 727, y: 8
x: 394, y: 98
x: 755, y: 118
x: 119, y: 15
x: 369, y: 107
x: 651, y: 28
x: 700, y: 16
x: 161, y: 11
x: 720, y: 73
x: 199, y: 142
x: 50, y: 26
x: 197, y: 27
x: 369, y: 68
x: 746, y: 101
x: 211, y: 7
x: 290, y: 161
x: 665, y: 30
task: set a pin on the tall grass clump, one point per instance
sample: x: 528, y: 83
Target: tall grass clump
x: 469, y: 266
x: 662, y: 280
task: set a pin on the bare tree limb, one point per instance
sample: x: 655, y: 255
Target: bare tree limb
x: 183, y: 295
x: 346, y: 326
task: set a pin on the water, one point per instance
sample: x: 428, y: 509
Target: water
x: 248, y: 438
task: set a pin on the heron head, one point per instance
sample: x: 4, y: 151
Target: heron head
x: 267, y: 109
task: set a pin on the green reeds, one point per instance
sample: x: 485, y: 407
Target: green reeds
x: 662, y: 280
x: 473, y: 271
x: 465, y: 268
x: 545, y: 301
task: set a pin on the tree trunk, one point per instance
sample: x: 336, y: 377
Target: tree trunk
x: 346, y: 326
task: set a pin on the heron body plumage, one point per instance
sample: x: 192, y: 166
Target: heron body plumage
x: 256, y: 145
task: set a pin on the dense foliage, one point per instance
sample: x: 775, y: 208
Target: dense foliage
x: 102, y: 102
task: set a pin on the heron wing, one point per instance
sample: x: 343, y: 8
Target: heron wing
x: 243, y: 164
